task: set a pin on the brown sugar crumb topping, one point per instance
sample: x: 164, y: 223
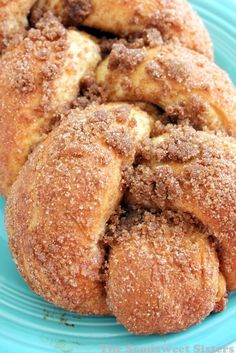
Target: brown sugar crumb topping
x: 154, y: 181
x: 48, y: 44
x: 154, y: 189
x: 78, y: 10
x: 90, y: 93
x: 25, y: 80
x: 184, y: 70
x: 49, y: 71
x: 154, y: 70
x: 125, y: 225
x: 112, y: 125
x: 50, y: 28
x: 41, y: 43
x: 165, y: 21
x: 150, y: 37
x: 179, y: 144
x: 124, y: 58
x: 196, y: 111
x: 119, y: 139
x: 188, y: 165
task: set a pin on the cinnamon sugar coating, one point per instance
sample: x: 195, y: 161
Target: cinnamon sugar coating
x: 193, y: 172
x: 13, y: 19
x: 163, y: 273
x: 182, y: 82
x: 58, y: 208
x: 175, y: 20
x: 39, y: 78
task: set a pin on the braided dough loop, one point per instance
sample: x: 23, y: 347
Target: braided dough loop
x: 39, y: 79
x: 13, y: 19
x: 194, y: 172
x: 59, y: 205
x: 175, y: 19
x: 184, y: 83
x: 163, y: 275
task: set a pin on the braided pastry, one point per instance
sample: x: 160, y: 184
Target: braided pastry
x: 126, y: 205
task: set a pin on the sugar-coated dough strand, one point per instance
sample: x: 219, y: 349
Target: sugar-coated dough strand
x: 163, y: 274
x: 59, y: 205
x: 184, y: 83
x: 194, y: 172
x: 39, y: 77
x: 175, y: 19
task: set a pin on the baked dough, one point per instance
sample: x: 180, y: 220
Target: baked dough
x: 194, y: 172
x: 163, y: 274
x: 66, y: 192
x: 182, y: 82
x: 13, y: 19
x: 174, y: 19
x: 39, y: 78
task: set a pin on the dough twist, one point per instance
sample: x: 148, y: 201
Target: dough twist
x: 184, y: 83
x: 62, y: 199
x: 174, y: 19
x: 193, y: 172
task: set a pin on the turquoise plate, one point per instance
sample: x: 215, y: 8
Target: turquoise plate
x: 30, y: 325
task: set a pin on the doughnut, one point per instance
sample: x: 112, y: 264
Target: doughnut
x: 182, y: 82
x: 59, y: 205
x: 195, y: 172
x: 174, y: 19
x: 39, y: 77
x: 13, y: 19
x: 163, y: 274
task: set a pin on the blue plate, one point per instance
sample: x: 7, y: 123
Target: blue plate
x: 30, y: 325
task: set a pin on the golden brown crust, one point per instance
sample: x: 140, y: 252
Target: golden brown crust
x: 193, y: 172
x: 175, y: 20
x: 38, y: 79
x: 184, y: 83
x: 163, y: 274
x: 58, y: 207
x: 13, y: 19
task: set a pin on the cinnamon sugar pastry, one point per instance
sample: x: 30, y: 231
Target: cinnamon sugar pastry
x: 122, y: 162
